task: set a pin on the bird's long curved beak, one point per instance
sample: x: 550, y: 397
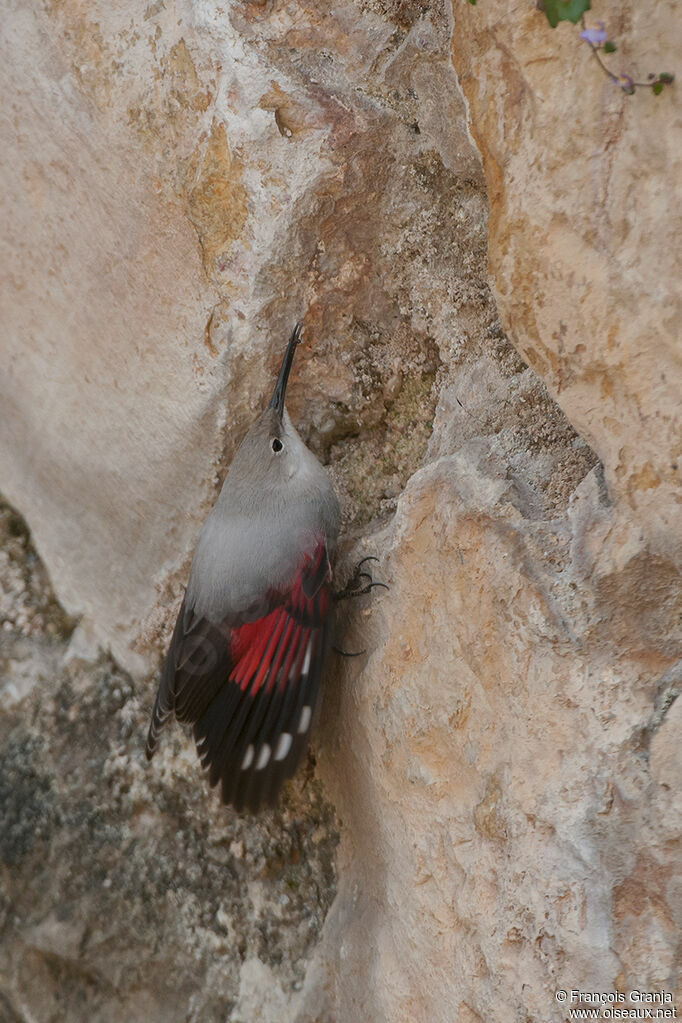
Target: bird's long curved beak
x: 277, y: 400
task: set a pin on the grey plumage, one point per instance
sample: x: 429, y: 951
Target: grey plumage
x: 271, y: 509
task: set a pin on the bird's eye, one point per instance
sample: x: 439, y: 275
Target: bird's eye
x: 277, y: 445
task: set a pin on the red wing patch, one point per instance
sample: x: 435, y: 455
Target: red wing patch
x: 250, y: 689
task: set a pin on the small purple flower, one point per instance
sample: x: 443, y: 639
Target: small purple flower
x: 595, y: 36
x: 626, y: 83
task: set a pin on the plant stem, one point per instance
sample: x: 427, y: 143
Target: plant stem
x: 610, y: 74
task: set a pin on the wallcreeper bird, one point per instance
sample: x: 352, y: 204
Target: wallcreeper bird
x: 248, y: 648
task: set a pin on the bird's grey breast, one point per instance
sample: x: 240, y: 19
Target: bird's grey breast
x: 239, y: 558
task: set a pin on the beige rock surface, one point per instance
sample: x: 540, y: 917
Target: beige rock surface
x: 491, y: 812
x: 584, y: 228
x: 182, y: 182
x: 504, y: 834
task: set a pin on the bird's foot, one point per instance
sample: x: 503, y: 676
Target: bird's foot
x: 356, y: 587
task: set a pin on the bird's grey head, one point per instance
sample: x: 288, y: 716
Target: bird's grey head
x: 272, y: 465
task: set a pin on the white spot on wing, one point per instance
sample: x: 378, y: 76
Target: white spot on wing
x: 283, y: 746
x: 248, y: 758
x: 303, y: 724
x: 308, y: 654
x: 263, y: 757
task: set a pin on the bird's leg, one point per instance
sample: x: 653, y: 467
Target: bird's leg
x: 355, y: 587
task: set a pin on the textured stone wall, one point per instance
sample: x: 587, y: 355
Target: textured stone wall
x: 480, y: 231
x: 584, y: 231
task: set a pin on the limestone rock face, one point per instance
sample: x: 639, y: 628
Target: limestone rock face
x: 183, y: 183
x: 516, y: 713
x: 491, y: 809
x: 583, y: 230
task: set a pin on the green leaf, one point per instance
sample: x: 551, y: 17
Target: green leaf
x: 657, y: 88
x: 609, y: 47
x: 565, y: 10
x: 472, y: 2
x: 666, y: 78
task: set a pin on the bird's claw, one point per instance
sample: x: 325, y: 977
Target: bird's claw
x: 344, y: 653
x: 355, y: 587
